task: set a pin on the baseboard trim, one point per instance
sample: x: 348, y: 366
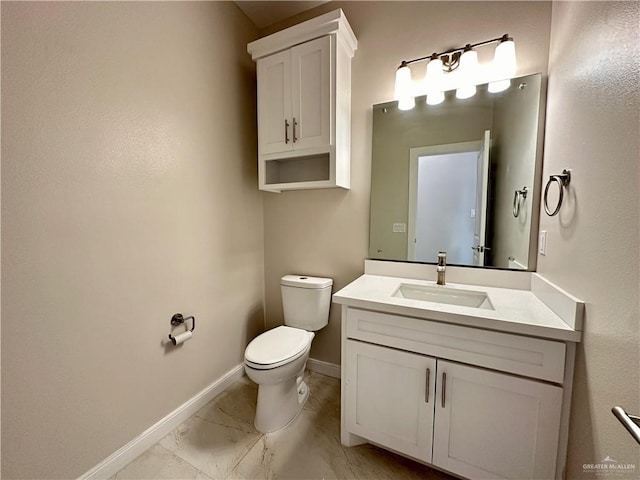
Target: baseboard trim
x: 325, y: 368
x: 119, y: 459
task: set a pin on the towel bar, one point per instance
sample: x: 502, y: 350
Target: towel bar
x: 630, y: 422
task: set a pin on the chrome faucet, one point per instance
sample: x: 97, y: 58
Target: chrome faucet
x: 442, y: 267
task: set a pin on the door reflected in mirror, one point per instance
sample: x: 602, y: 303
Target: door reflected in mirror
x: 454, y: 177
x: 446, y: 178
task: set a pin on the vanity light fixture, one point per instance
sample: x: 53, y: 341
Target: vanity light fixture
x: 457, y: 69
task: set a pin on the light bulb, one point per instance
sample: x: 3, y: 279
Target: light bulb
x: 435, y: 81
x: 406, y: 103
x: 466, y: 91
x: 435, y: 98
x: 435, y: 75
x: 404, y: 88
x: 504, y: 65
x: 468, y: 73
x: 499, y: 86
x: 504, y: 59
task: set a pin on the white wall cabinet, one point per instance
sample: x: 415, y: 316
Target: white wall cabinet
x: 304, y: 104
x: 412, y: 394
x: 294, y: 98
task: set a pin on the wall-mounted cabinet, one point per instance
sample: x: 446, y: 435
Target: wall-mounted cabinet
x: 304, y: 104
x: 294, y: 98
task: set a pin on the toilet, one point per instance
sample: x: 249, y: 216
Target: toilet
x: 276, y: 359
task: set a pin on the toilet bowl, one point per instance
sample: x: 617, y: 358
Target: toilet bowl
x: 276, y: 359
x: 281, y: 389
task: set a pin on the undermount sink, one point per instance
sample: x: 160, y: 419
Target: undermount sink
x: 442, y: 294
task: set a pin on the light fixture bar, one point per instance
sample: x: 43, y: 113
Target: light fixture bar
x: 455, y: 50
x: 464, y: 62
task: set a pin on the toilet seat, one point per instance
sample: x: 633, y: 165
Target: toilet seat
x: 277, y: 347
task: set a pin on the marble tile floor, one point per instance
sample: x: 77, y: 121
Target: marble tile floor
x: 220, y: 442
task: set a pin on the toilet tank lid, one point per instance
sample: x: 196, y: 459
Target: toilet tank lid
x: 303, y: 281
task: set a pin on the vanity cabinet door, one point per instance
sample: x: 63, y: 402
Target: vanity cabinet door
x: 390, y: 397
x: 492, y: 425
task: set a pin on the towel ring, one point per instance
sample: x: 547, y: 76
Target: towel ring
x: 516, y: 200
x: 563, y: 181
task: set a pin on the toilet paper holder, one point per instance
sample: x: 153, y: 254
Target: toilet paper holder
x: 178, y: 319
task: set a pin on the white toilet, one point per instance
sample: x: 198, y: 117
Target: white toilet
x: 276, y: 359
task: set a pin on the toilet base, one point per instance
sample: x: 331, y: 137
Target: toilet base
x: 279, y: 404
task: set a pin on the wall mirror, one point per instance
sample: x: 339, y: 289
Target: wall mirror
x: 463, y: 176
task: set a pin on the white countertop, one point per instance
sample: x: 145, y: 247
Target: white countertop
x: 515, y: 311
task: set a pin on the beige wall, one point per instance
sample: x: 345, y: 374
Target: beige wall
x: 326, y: 232
x: 593, y: 251
x: 128, y: 194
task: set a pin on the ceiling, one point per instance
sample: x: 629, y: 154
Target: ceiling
x: 265, y: 13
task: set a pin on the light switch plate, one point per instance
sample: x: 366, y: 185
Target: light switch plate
x: 542, y: 242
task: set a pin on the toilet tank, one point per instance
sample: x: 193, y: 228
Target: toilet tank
x: 306, y: 301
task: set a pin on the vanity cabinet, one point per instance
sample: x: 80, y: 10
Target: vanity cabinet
x: 476, y: 403
x: 304, y: 104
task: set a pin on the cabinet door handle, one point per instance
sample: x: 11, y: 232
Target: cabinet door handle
x: 426, y: 390
x: 294, y: 130
x: 444, y: 388
x: 286, y: 131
